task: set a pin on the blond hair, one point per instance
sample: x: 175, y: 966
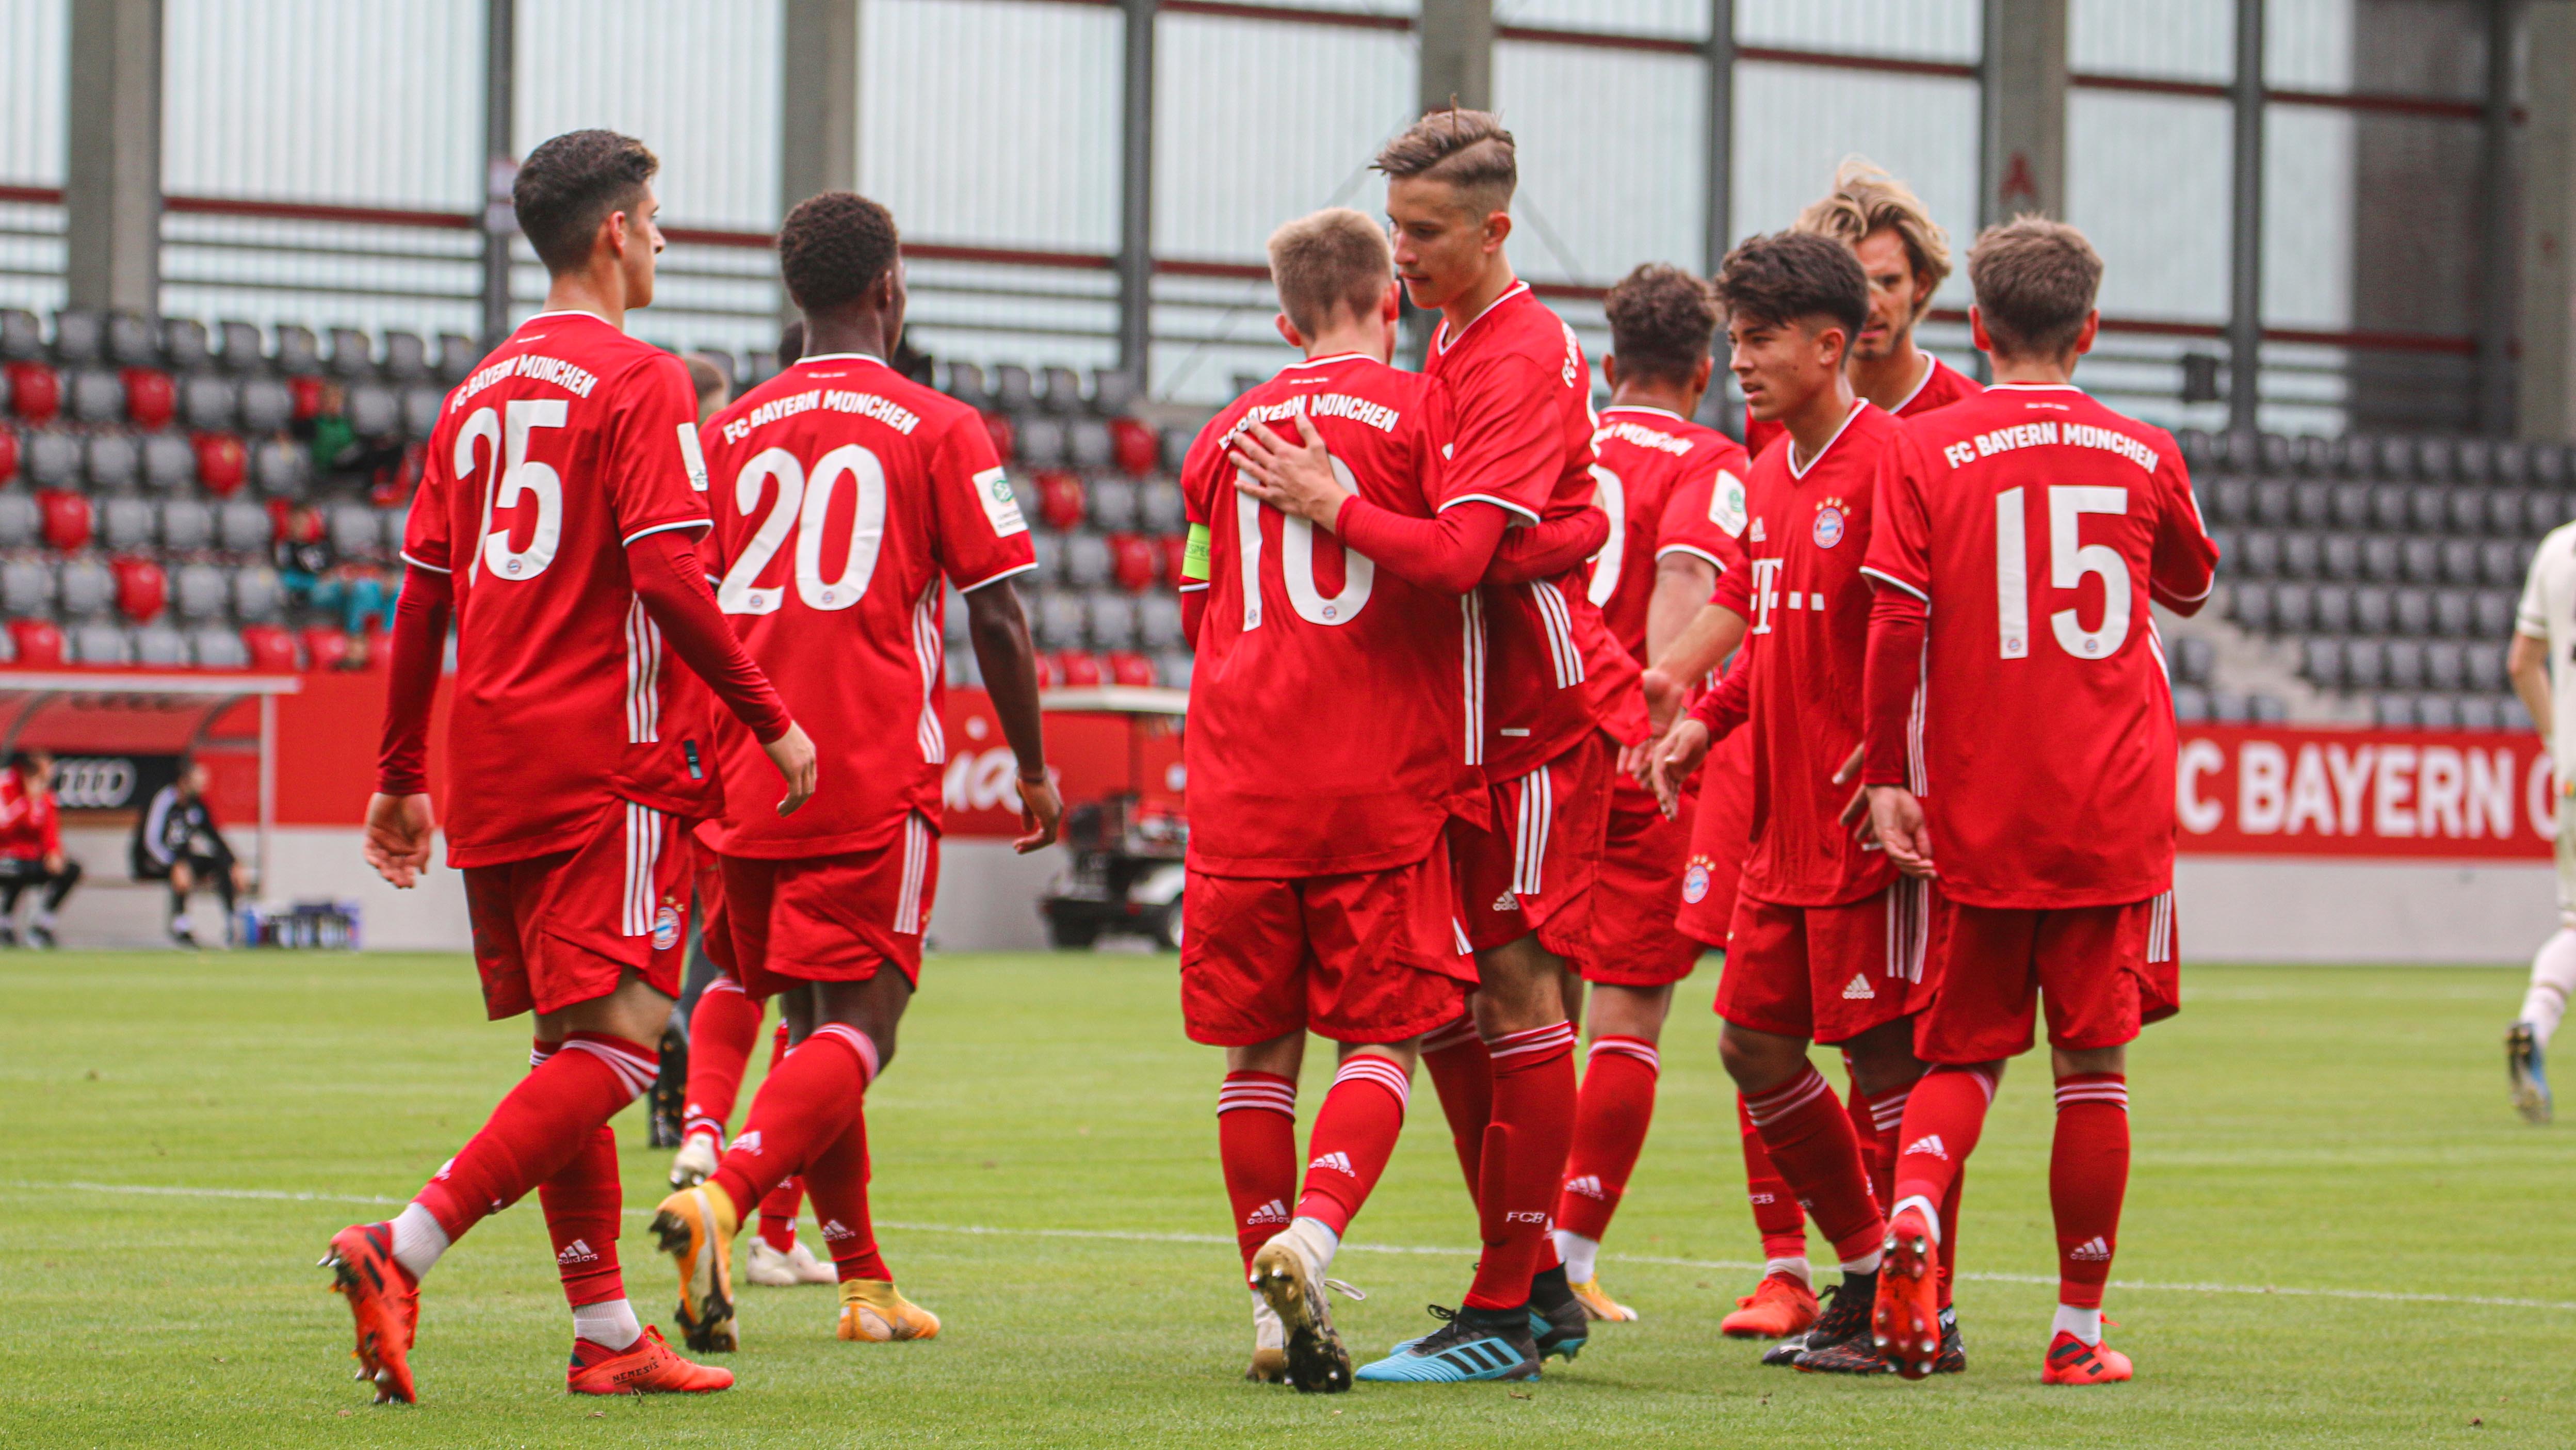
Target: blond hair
x: 1470, y: 150
x: 1866, y: 199
x: 1333, y: 258
x: 2035, y: 281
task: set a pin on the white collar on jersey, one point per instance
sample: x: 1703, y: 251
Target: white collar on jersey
x: 2039, y: 387
x: 1642, y: 408
x: 1799, y: 470
x: 565, y: 312
x: 1931, y: 365
x: 1316, y: 362
x: 840, y: 357
x: 1441, y: 341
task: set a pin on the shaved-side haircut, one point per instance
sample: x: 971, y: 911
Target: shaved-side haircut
x: 1470, y: 150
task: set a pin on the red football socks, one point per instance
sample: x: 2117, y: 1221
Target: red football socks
x: 583, y: 1206
x: 1256, y: 1141
x: 1776, y: 1215
x: 721, y: 1032
x: 1355, y: 1133
x: 2088, y: 1175
x: 1523, y: 1158
x: 1944, y: 1117
x: 1462, y: 1075
x: 1812, y: 1144
x: 838, y: 1179
x: 778, y: 1214
x: 548, y: 1119
x: 806, y: 1103
x: 1611, y: 1113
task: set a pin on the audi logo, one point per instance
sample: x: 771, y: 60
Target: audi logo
x: 93, y: 782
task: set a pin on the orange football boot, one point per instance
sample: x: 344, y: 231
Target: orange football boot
x: 873, y: 1311
x: 1905, y: 1322
x: 1779, y: 1306
x: 384, y: 1299
x: 646, y: 1367
x: 2073, y: 1362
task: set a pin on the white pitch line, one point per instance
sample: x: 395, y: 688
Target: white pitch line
x: 2383, y: 1296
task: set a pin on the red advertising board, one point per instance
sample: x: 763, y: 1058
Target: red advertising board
x: 2393, y: 794
x: 1093, y: 752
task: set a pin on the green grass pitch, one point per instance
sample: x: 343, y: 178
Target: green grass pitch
x: 186, y: 1132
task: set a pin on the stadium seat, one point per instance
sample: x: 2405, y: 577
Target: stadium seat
x: 53, y: 458
x: 266, y: 405
x: 8, y: 453
x: 297, y: 353
x: 20, y: 520
x: 374, y: 411
x: 26, y: 588
x: 68, y: 519
x: 1048, y: 546
x: 22, y: 336
x: 1061, y: 502
x: 2193, y: 660
x: 1160, y: 508
x: 2274, y: 502
x: 964, y: 671
x: 2373, y: 610
x: 354, y: 531
x: 80, y: 335
x: 86, y: 588
x: 2464, y: 511
x: 169, y: 464
x: 159, y: 644
x: 35, y: 391
x: 1113, y: 392
x: 2342, y: 556
x: 1176, y: 448
x: 2454, y: 612
x: 2548, y: 466
x: 2460, y: 561
x: 406, y: 356
x: 1114, y: 505
x: 2494, y: 610
x: 1176, y: 553
x: 113, y: 462
x: 2507, y: 510
x: 2476, y: 460
x: 1126, y: 667
x: 1158, y: 623
x: 324, y: 648
x: 2446, y: 664
x: 2393, y: 712
x: 1006, y: 439
x: 2403, y: 663
x: 1087, y: 444
x: 1087, y: 560
x: 243, y: 527
x: 223, y: 465
x: 1174, y: 669
x: 184, y: 346
x: 257, y: 596
x: 1014, y: 390
x: 2486, y: 667
x: 2312, y: 505
x: 1133, y: 444
x: 126, y: 524
x: 2321, y: 662
x: 270, y: 648
x: 2383, y: 559
x: 2544, y: 509
x: 2411, y: 611
x: 2258, y: 553
x: 2294, y: 607
x: 1060, y: 389
x: 952, y: 617
x: 2250, y: 605
x: 1079, y: 670
x: 457, y: 355
x: 1059, y: 619
x: 2420, y: 560
x: 391, y: 524
x: 2333, y: 609
x: 2435, y: 458
x: 2350, y: 507
x: 1041, y: 441
x: 1111, y: 619
x: 2501, y: 563
x: 2365, y: 664
x: 93, y: 395
x: 38, y: 643
x: 352, y: 354
x: 199, y: 592
x: 151, y: 398
x: 1134, y: 563
x: 213, y: 647
x: 965, y: 383
x: 281, y: 466
x: 101, y: 644
x: 1043, y: 666
x: 2191, y: 704
x: 2436, y: 712
x: 243, y: 351
x: 420, y: 405
x: 2477, y: 712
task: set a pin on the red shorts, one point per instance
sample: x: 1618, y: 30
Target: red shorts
x: 561, y: 929
x: 1371, y: 957
x: 1535, y: 870
x: 1634, y: 942
x: 831, y: 918
x: 1828, y: 973
x: 1721, y: 834
x: 2105, y: 972
x: 715, y: 934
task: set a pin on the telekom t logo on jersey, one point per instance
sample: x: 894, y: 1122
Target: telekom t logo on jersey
x: 1766, y: 592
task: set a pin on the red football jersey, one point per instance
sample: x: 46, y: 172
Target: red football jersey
x: 30, y: 820
x: 1522, y: 396
x: 1669, y: 486
x: 1333, y: 707
x: 2038, y: 524
x: 1801, y: 591
x: 1942, y: 385
x: 844, y: 494
x: 570, y: 441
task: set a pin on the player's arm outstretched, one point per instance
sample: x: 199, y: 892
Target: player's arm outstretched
x: 673, y: 586
x: 999, y: 630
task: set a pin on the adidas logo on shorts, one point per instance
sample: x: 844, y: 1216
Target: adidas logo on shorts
x: 1858, y: 989
x: 1507, y: 902
x: 578, y: 1252
x: 2091, y: 1251
x: 1272, y: 1212
x: 1929, y: 1143
x: 1338, y: 1162
x: 1589, y: 1185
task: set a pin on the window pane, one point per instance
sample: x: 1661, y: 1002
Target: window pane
x: 2147, y: 180
x: 1603, y: 189
x: 2189, y: 40
x: 694, y: 80
x: 1946, y: 30
x: 1678, y: 19
x: 1795, y: 124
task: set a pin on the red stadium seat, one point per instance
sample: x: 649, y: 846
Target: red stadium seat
x: 1045, y: 670
x: 35, y: 392
x: 142, y: 589
x: 307, y: 393
x: 8, y: 454
x: 280, y: 513
x: 1079, y: 670
x: 1061, y: 502
x: 325, y: 648
x: 67, y: 519
x: 1126, y: 667
x: 1176, y: 551
x: 151, y: 399
x: 1134, y: 562
x: 1138, y: 450
x: 271, y: 648
x: 999, y: 428
x: 223, y: 465
x: 39, y: 642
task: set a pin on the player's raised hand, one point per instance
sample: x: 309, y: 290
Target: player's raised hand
x: 1041, y: 811
x: 1675, y: 757
x: 1296, y: 480
x: 1897, y: 818
x: 793, y: 754
x: 397, y: 838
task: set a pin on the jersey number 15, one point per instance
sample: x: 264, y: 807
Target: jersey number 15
x: 2069, y: 560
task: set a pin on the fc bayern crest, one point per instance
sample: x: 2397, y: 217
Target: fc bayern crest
x: 666, y: 928
x: 1829, y: 526
x: 1695, y: 883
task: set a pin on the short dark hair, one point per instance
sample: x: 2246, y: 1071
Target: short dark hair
x: 1791, y: 276
x: 1661, y: 321
x: 2035, y: 281
x: 833, y: 247
x: 1468, y: 149
x: 570, y: 183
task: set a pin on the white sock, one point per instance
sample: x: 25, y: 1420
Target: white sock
x: 609, y: 1324
x: 1319, y: 1242
x: 180, y: 925
x: 1798, y: 1269
x: 418, y: 1240
x: 44, y: 918
x: 1865, y: 1264
x: 1581, y: 1255
x: 1267, y: 1331
x: 2553, y: 981
x: 1931, y: 1212
x: 2084, y: 1324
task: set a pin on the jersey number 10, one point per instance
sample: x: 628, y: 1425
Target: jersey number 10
x: 1297, y: 564
x: 2069, y: 560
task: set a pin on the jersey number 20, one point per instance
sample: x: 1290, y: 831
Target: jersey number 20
x: 803, y: 503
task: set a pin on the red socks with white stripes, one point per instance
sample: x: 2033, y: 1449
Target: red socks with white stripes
x: 551, y: 1117
x: 1813, y: 1145
x: 1776, y: 1214
x: 2088, y: 1175
x: 1523, y: 1159
x: 1944, y: 1117
x: 1462, y: 1075
x: 1256, y: 1142
x: 1611, y: 1114
x: 838, y: 1178
x: 722, y: 1030
x: 804, y: 1106
x: 1355, y: 1133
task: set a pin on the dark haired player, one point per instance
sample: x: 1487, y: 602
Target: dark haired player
x: 2012, y: 652
x: 1674, y: 494
x: 1827, y: 945
x: 846, y: 496
x: 31, y: 847
x: 556, y: 520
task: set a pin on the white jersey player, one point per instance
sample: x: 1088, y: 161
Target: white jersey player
x: 2544, y: 650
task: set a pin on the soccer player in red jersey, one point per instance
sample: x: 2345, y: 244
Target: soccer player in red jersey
x: 1906, y: 255
x: 2024, y: 534
x: 31, y: 847
x: 1332, y: 739
x: 555, y: 522
x: 1673, y: 492
x: 846, y: 496
x: 1826, y: 944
